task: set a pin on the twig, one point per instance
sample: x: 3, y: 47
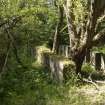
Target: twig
x: 6, y: 59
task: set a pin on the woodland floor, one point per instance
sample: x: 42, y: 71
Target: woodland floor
x: 34, y: 87
x: 96, y: 97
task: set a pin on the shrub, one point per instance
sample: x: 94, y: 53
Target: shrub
x: 69, y: 74
x: 88, y: 68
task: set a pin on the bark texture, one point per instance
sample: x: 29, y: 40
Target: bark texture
x: 87, y: 36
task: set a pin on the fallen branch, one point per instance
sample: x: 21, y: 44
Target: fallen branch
x: 100, y: 82
x: 90, y: 81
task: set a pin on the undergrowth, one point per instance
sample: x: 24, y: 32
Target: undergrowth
x: 33, y: 86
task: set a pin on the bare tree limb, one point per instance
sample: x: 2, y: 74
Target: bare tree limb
x: 99, y: 37
x: 100, y: 20
x: 57, y: 36
x: 90, y: 81
x: 11, y: 21
x: 15, y: 49
x: 71, y: 27
x: 6, y: 59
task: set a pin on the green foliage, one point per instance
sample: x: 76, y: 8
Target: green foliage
x: 35, y: 26
x: 69, y: 74
x: 100, y: 49
x: 21, y: 87
x: 79, y: 10
x: 33, y: 86
x: 88, y: 68
x: 70, y: 77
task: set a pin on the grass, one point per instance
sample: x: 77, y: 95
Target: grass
x: 33, y: 86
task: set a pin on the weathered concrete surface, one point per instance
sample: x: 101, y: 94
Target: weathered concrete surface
x: 54, y: 62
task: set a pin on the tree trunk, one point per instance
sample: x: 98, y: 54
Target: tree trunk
x: 98, y: 61
x: 57, y: 35
x: 78, y: 57
x: 56, y: 40
x: 88, y: 56
x: 2, y: 61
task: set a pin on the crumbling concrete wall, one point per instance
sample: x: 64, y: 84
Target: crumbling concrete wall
x: 55, y: 63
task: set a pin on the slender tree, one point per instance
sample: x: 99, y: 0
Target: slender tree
x: 57, y: 36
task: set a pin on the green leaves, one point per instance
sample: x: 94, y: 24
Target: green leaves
x: 79, y: 10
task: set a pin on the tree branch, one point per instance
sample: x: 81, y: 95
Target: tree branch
x: 93, y: 83
x: 73, y: 36
x: 97, y: 8
x: 12, y: 20
x: 99, y: 21
x: 6, y: 58
x: 15, y: 49
x: 71, y: 26
x: 99, y: 38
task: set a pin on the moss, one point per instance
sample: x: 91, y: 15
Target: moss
x: 42, y: 50
x: 69, y: 72
x: 39, y: 52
